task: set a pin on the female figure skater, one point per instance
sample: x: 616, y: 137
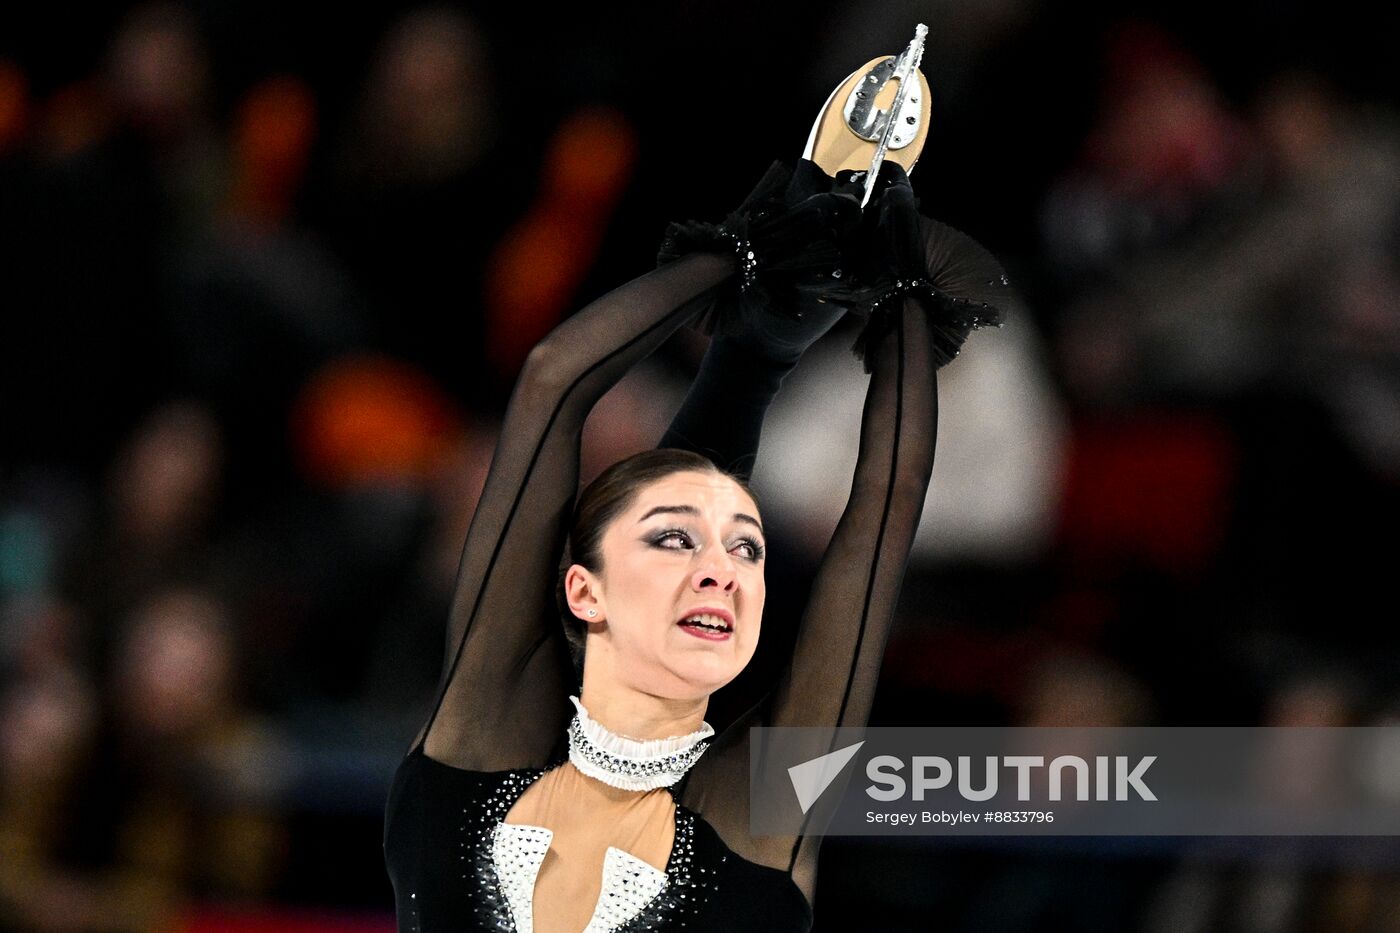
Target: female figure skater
x: 525, y: 805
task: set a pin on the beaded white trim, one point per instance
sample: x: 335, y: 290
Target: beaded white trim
x: 628, y: 763
x: 629, y: 883
x: 517, y: 852
x: 687, y: 889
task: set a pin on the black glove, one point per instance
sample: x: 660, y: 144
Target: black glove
x: 792, y: 236
x: 959, y: 283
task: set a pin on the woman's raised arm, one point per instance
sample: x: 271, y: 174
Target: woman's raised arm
x: 841, y: 641
x: 945, y: 284
x: 503, y: 698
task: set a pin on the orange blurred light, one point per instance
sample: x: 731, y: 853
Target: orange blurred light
x: 274, y: 131
x: 540, y: 265
x: 363, y: 419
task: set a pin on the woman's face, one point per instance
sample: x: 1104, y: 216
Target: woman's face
x: 690, y: 542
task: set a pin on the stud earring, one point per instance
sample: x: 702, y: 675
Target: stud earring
x: 593, y: 612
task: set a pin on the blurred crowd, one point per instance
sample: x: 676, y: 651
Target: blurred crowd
x: 261, y: 321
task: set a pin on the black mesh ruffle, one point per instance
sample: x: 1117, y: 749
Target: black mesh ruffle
x: 803, y: 244
x: 790, y: 236
x: 960, y: 285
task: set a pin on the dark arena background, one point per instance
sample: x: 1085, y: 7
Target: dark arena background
x: 267, y: 274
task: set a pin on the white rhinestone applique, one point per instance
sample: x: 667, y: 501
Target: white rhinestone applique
x: 475, y: 856
x: 518, y: 851
x: 629, y: 884
x: 643, y: 898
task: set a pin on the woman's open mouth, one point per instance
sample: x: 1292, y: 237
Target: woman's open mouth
x: 707, y: 625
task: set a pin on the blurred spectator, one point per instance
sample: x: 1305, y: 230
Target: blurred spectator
x: 120, y: 166
x: 163, y: 497
x: 159, y: 81
x: 168, y: 802
x: 47, y: 720
x: 418, y: 189
x: 1164, y: 149
x: 1295, y: 289
x: 373, y: 437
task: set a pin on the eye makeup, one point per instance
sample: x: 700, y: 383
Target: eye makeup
x: 756, y: 547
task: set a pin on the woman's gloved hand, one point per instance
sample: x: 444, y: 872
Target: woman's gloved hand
x: 959, y: 283
x: 793, y: 236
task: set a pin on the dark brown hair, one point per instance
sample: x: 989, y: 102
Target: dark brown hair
x: 604, y: 499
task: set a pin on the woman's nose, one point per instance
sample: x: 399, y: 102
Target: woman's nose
x: 715, y: 575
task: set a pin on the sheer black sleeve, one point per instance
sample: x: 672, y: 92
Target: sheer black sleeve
x: 841, y: 639
x: 722, y: 416
x: 503, y: 697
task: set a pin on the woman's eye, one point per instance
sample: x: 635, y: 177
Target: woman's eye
x: 753, y: 548
x: 673, y: 536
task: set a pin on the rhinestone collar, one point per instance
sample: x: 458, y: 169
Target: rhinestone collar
x: 628, y: 763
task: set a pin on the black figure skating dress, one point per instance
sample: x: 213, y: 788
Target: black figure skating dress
x: 506, y: 714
